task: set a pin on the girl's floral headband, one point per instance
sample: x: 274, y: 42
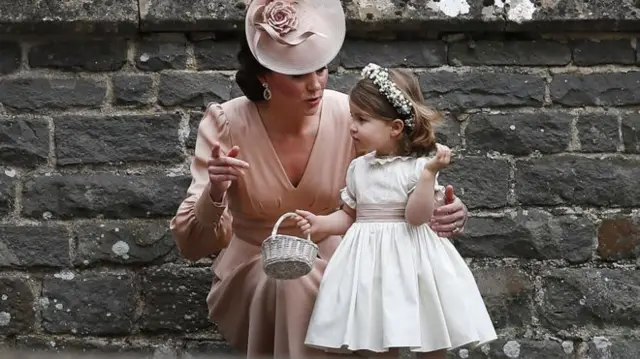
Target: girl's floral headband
x: 380, y: 78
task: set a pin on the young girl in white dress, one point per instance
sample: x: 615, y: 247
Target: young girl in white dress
x: 392, y: 282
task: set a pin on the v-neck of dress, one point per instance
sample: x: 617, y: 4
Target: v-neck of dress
x: 274, y: 154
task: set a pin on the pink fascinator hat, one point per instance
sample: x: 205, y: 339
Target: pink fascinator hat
x: 295, y: 37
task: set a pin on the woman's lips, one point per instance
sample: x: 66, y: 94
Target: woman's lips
x: 314, y: 101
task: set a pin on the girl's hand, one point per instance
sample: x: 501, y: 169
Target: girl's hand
x: 223, y: 169
x: 440, y: 160
x: 309, y: 223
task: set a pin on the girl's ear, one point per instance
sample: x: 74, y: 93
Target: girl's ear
x: 397, y: 126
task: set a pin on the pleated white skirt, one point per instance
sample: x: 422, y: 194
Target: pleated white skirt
x: 391, y: 285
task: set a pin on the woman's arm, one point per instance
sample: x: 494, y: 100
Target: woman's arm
x: 201, y: 227
x: 203, y: 234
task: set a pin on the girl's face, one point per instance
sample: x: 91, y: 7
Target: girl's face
x: 373, y: 134
x: 299, y: 93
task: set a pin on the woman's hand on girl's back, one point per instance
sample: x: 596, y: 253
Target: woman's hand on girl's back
x: 224, y: 168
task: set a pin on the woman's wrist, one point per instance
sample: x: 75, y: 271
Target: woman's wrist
x: 207, y: 209
x: 216, y: 197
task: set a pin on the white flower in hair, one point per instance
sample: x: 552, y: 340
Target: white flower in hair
x: 380, y: 78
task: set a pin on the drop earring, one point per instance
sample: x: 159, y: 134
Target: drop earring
x: 266, y: 94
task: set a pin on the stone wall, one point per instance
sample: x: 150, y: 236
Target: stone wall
x: 99, y: 105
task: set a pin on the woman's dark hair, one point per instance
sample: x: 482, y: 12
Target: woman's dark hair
x: 420, y: 140
x: 247, y: 75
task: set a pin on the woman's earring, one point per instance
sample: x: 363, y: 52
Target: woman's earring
x: 266, y: 93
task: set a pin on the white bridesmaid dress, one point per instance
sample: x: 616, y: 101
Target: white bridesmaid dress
x: 390, y: 284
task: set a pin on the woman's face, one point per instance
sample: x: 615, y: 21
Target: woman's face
x: 300, y: 93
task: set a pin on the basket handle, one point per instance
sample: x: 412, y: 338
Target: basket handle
x: 282, y: 218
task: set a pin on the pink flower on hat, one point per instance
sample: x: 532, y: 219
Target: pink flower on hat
x: 281, y: 15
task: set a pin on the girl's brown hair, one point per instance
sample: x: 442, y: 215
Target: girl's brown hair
x: 416, y: 141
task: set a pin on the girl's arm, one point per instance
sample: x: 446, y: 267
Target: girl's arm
x: 421, y: 201
x: 336, y: 223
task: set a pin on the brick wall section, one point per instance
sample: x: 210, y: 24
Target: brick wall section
x: 95, y: 142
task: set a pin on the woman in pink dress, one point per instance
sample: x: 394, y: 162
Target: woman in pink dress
x: 283, y: 146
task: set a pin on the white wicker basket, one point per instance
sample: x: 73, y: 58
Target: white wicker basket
x: 287, y: 257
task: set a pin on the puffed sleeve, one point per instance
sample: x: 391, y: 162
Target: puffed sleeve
x: 201, y: 226
x: 415, y: 176
x: 348, y: 193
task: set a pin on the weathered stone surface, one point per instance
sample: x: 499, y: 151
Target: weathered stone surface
x: 193, y: 89
x: 342, y: 81
x: 571, y: 180
x: 529, y: 234
x: 83, y: 348
x: 590, y: 297
x: 601, y: 52
x: 132, y: 89
x: 162, y: 52
x: 357, y: 54
x: 518, y: 348
x: 448, y: 131
x: 17, y: 301
x: 217, y: 15
x: 123, y: 242
x: 236, y: 91
x: 597, y: 89
x: 31, y: 246
x: 451, y: 90
x: 598, y: 132
x: 619, y: 348
x: 198, y: 15
x: 619, y: 238
x: 362, y: 15
x: 64, y: 17
x: 508, y: 295
x: 103, y: 194
x: 631, y: 133
x: 203, y: 349
x: 533, y: 240
x: 479, y: 181
x: 174, y: 299
x: 519, y: 133
x: 216, y: 55
x: 24, y: 142
x: 7, y: 191
x: 509, y: 53
x: 31, y: 94
x: 388, y: 15
x: 93, y: 55
x: 334, y: 65
x: 194, y: 121
x: 88, y: 303
x: 91, y: 139
x: 573, y: 15
x: 10, y: 56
